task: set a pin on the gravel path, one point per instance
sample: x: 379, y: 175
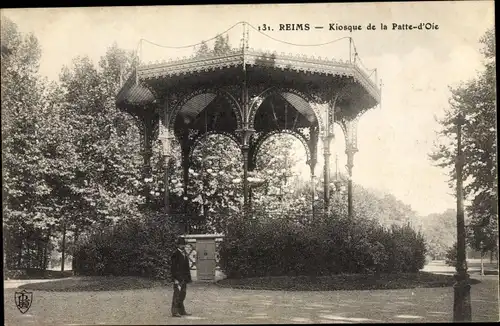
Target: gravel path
x: 211, y: 304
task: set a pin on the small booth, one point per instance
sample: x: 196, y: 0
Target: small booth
x: 203, y: 253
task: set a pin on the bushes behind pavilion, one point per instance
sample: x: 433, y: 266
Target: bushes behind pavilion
x: 134, y: 247
x: 256, y: 247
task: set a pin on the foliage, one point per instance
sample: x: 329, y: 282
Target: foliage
x: 451, y: 255
x: 259, y: 247
x: 221, y: 46
x: 440, y: 231
x: 282, y: 192
x: 215, y: 180
x: 71, y: 159
x: 133, y: 247
x: 476, y: 101
x: 214, y: 192
x: 484, y: 238
x: 382, y: 207
x: 106, y: 140
x: 26, y: 118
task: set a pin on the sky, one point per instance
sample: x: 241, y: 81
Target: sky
x: 416, y: 66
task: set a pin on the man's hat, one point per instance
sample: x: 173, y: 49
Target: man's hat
x: 181, y: 241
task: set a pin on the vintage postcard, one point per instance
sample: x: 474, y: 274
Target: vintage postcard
x: 259, y: 163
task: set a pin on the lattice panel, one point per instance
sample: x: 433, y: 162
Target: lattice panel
x: 190, y: 250
x: 217, y: 255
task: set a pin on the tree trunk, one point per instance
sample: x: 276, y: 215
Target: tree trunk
x: 63, y: 248
x: 482, y: 263
x: 73, y: 259
x: 491, y: 257
x: 39, y: 254
x: 20, y: 255
x: 46, y: 252
x: 29, y: 254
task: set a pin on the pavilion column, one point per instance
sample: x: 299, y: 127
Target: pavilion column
x: 350, y: 131
x: 185, y: 163
x: 246, y: 190
x: 251, y: 168
x: 312, y: 165
x: 147, y: 152
x: 328, y: 135
x: 166, y: 181
x: 146, y: 172
x: 326, y: 172
x: 165, y: 137
x: 350, y: 164
x: 245, y: 135
x: 185, y: 182
x: 313, y: 149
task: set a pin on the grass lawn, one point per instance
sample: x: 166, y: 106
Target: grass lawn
x: 343, y: 282
x: 285, y: 283
x: 27, y: 274
x: 90, y: 283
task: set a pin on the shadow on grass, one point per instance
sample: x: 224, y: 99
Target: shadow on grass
x: 343, y: 282
x: 95, y: 283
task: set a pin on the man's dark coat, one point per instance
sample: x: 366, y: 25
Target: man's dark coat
x: 180, y: 267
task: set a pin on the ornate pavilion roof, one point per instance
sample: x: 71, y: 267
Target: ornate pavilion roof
x: 173, y: 72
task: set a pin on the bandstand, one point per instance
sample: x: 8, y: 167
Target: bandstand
x: 249, y: 95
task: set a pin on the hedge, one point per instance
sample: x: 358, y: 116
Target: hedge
x: 135, y: 247
x: 280, y: 247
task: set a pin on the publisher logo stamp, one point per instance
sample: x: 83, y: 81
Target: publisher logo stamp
x: 23, y: 300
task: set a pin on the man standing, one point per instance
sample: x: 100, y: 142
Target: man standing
x: 181, y: 275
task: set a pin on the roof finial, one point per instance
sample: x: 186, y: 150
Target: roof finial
x: 248, y: 37
x: 243, y: 37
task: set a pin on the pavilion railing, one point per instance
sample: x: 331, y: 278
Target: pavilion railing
x: 243, y: 36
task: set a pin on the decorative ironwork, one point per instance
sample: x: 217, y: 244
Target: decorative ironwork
x: 264, y: 137
x: 192, y: 64
x: 201, y: 137
x: 313, y: 147
x: 349, y: 127
x: 235, y: 91
x: 162, y: 90
x: 233, y: 103
x: 245, y: 137
x: 150, y: 88
x: 238, y: 57
x: 273, y: 90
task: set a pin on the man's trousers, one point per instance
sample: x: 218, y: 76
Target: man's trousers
x: 178, y: 299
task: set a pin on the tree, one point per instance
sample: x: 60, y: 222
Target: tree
x: 484, y: 239
x: 25, y: 127
x: 440, y: 231
x: 476, y: 101
x: 107, y: 140
x: 221, y: 46
x: 202, y: 50
x: 274, y: 165
x: 103, y: 183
